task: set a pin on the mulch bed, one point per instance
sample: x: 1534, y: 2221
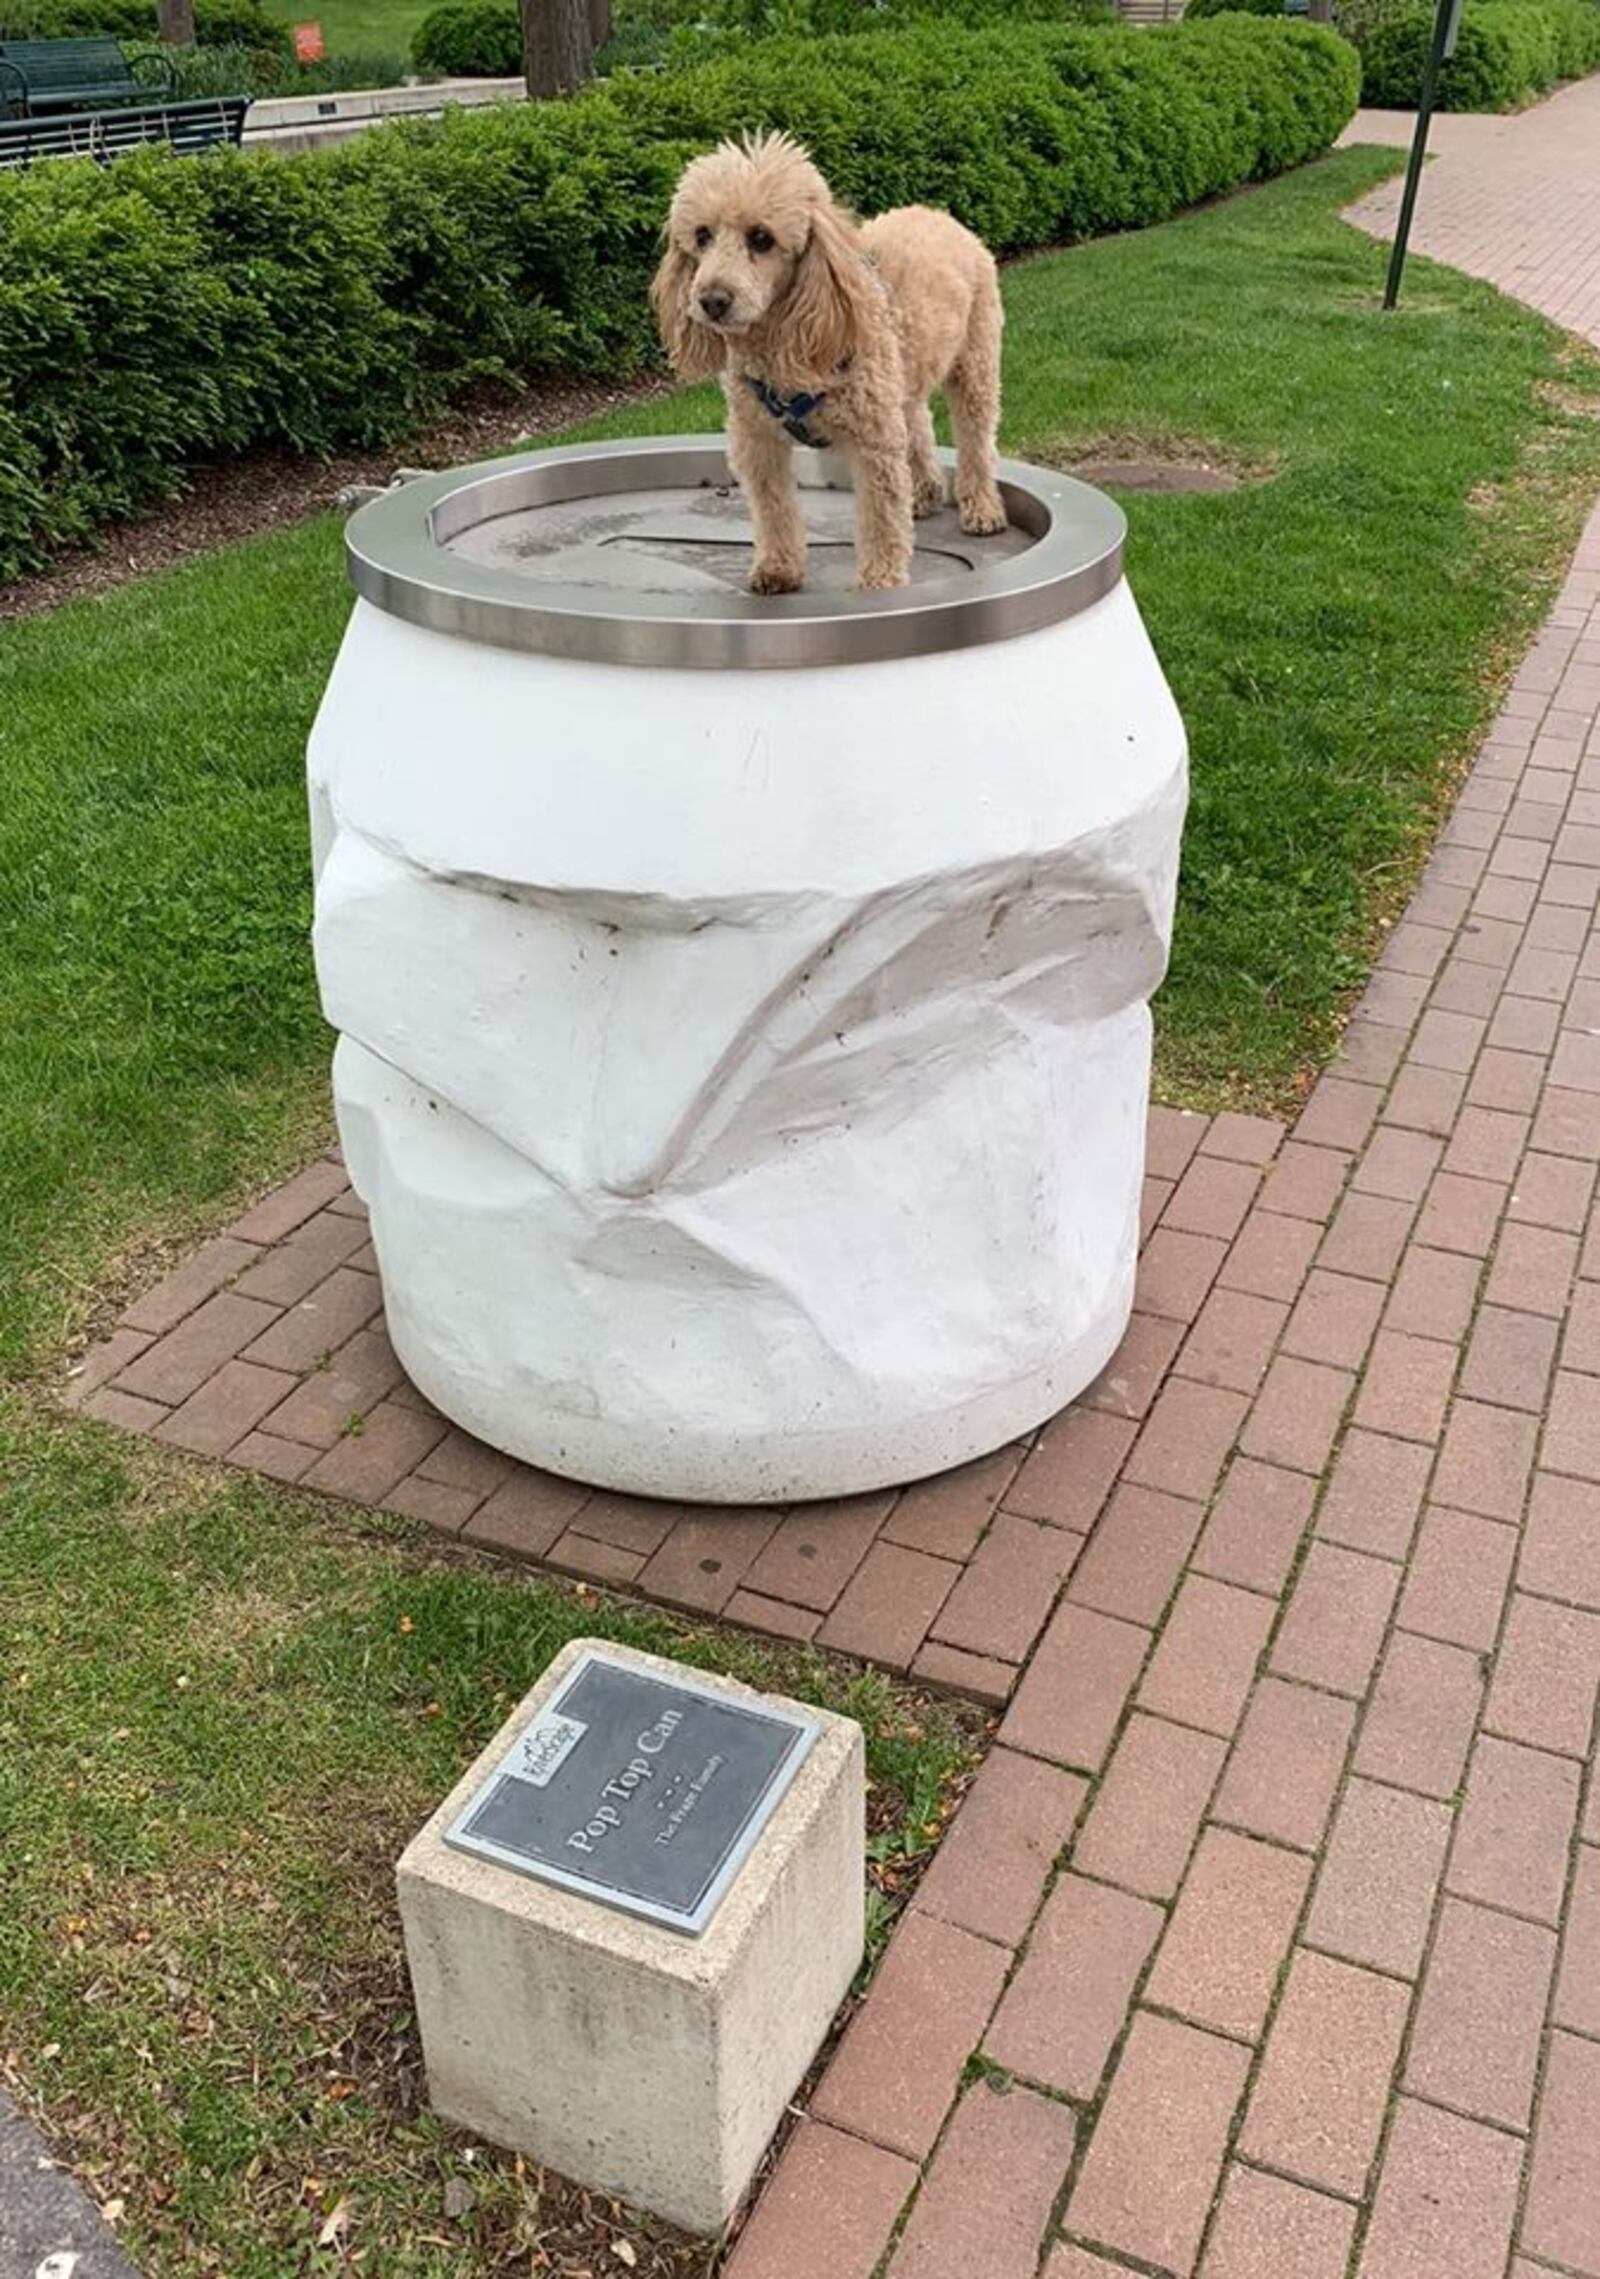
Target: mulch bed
x: 242, y: 498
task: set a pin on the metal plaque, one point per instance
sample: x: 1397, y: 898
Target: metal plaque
x: 641, y: 1792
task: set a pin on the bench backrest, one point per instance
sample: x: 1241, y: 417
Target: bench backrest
x: 69, y: 67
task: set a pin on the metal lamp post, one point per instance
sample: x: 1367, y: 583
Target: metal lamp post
x: 1442, y: 46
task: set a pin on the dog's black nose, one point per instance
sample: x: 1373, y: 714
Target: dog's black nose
x: 716, y: 305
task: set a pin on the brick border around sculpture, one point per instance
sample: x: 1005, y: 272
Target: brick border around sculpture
x: 265, y: 1348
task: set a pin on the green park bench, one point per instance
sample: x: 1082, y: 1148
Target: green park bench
x: 205, y: 123
x: 87, y: 99
x: 42, y: 78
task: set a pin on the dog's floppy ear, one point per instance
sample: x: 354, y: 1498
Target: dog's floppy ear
x: 831, y: 303
x: 692, y: 351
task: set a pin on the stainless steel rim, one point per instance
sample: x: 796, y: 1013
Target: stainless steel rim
x: 396, y: 551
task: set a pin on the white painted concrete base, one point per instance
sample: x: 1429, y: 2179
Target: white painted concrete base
x: 861, y: 1380
x: 747, y: 1071
x: 628, y: 2057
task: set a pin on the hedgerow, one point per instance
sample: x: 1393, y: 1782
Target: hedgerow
x: 161, y: 311
x: 470, y: 39
x: 483, y: 38
x: 217, y: 23
x: 1507, y: 51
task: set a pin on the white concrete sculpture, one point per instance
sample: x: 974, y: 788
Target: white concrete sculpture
x: 747, y: 1069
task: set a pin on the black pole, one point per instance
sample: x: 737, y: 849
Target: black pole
x: 1439, y: 49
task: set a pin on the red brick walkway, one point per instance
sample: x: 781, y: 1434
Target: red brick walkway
x: 1515, y: 200
x: 1267, y: 1945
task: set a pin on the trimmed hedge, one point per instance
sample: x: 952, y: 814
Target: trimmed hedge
x: 483, y: 38
x: 470, y: 39
x: 1033, y: 134
x: 1508, y: 51
x: 158, y: 311
x: 217, y: 23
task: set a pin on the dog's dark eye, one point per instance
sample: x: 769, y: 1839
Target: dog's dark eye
x: 760, y: 240
x: 702, y: 237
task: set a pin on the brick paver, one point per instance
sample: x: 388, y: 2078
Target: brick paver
x: 1475, y: 2043
x: 1156, y: 2156
x: 832, y: 2197
x: 1514, y: 201
x: 1318, y: 2105
x: 992, y: 1868
x: 1230, y: 1934
x: 1266, y: 1944
x: 1267, y: 2227
x: 986, y: 2201
x: 1066, y: 2008
x: 899, y: 2065
x: 1446, y: 2198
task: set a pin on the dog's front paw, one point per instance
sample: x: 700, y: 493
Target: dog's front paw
x: 777, y: 577
x: 882, y: 580
x: 983, y: 516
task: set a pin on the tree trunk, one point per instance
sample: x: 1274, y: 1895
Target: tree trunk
x: 177, y: 22
x: 1321, y: 11
x: 599, y: 24
x: 557, y: 46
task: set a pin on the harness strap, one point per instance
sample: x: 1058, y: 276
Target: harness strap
x: 791, y: 411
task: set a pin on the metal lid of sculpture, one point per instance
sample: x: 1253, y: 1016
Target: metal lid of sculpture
x: 638, y: 554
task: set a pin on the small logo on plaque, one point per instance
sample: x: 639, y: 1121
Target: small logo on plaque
x: 642, y: 1792
x: 546, y: 1746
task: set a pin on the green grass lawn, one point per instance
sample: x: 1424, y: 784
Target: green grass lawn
x: 223, y: 1710
x: 356, y: 26
x: 222, y: 1706
x: 1336, y: 635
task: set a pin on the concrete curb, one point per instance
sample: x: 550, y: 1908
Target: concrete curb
x: 49, y: 2229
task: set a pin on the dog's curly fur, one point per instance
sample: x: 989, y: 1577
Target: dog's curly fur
x: 766, y: 277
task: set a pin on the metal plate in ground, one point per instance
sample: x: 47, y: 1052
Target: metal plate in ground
x: 644, y: 1793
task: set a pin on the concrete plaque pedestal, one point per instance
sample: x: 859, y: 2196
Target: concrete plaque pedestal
x: 645, y: 2061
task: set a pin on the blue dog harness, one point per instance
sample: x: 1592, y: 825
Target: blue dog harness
x: 792, y: 411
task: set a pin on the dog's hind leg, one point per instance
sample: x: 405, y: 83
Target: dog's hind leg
x: 927, y: 476
x: 973, y: 394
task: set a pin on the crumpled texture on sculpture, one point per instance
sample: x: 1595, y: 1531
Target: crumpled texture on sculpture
x: 759, y: 1292
x: 587, y: 1043
x: 554, y: 1085
x: 747, y: 1074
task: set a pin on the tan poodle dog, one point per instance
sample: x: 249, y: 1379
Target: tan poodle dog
x: 834, y: 336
